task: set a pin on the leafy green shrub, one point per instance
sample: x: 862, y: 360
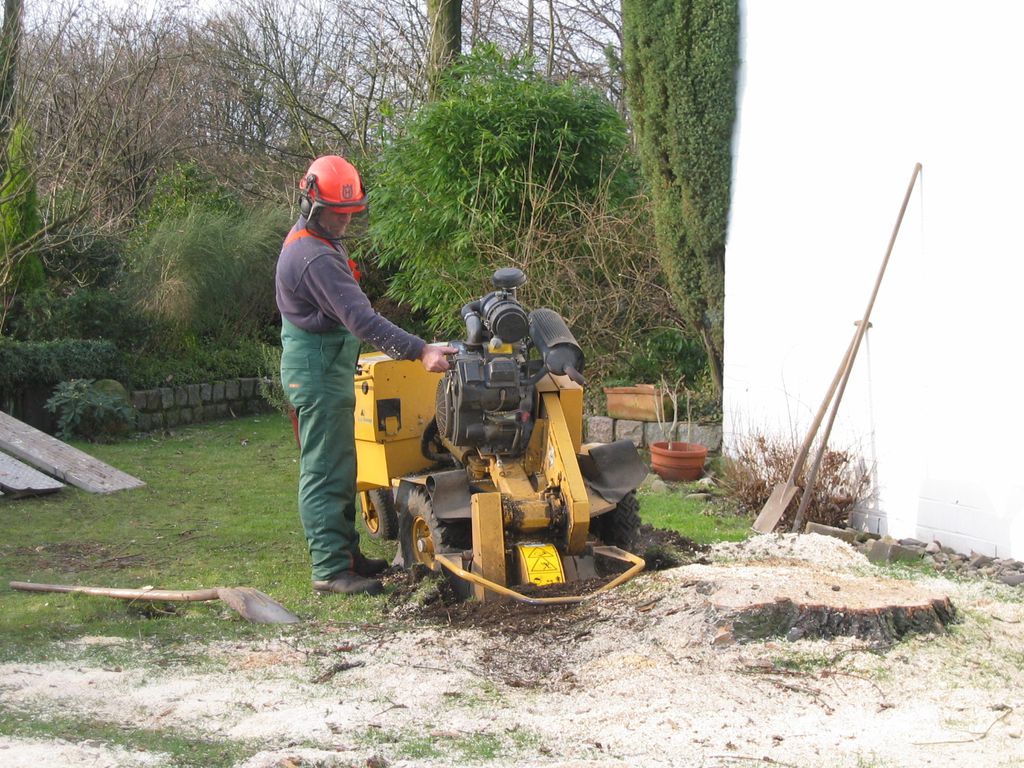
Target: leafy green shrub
x: 186, y: 190
x: 83, y: 258
x: 209, y: 275
x: 20, y: 266
x: 270, y: 380
x: 464, y: 174
x: 94, y: 411
x: 85, y: 313
x: 198, y: 365
x: 45, y: 363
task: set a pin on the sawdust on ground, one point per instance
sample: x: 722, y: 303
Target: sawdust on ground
x: 632, y: 678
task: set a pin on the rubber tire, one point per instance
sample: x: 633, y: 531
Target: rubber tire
x: 387, y: 516
x: 448, y: 537
x: 620, y: 527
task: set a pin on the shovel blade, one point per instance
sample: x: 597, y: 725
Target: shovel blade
x: 256, y: 606
x: 775, y: 507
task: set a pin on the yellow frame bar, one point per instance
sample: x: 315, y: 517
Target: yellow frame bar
x: 638, y: 564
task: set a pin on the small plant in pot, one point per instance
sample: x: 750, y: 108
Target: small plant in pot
x: 672, y: 459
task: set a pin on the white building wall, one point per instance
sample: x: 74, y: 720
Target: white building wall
x: 838, y: 101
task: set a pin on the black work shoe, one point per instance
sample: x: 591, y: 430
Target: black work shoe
x: 368, y: 566
x: 349, y: 583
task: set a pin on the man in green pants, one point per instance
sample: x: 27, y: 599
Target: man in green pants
x: 324, y: 316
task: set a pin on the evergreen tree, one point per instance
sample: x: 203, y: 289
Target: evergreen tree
x: 681, y: 58
x: 21, y: 269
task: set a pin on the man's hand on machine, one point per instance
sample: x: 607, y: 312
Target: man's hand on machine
x: 434, y: 358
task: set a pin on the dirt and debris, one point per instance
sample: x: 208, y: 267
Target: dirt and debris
x: 663, y: 549
x: 576, y: 685
x: 441, y: 602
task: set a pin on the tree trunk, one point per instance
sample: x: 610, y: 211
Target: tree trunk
x: 10, y: 41
x: 551, y: 38
x: 445, y: 17
x: 529, y: 27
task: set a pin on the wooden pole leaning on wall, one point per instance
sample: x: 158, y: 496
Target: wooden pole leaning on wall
x: 862, y: 328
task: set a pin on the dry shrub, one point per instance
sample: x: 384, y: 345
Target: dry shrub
x: 760, y: 462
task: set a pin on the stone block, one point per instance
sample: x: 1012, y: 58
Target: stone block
x: 139, y: 399
x: 206, y: 393
x: 171, y: 418
x: 198, y: 414
x: 888, y: 551
x: 709, y: 435
x: 247, y: 388
x: 633, y: 431
x: 153, y: 400
x: 218, y: 391
x: 193, y: 395
x: 166, y: 398
x: 846, y: 534
x: 653, y: 433
x: 185, y: 416
x: 181, y: 397
x: 231, y: 390
x: 600, y: 429
x: 1012, y: 578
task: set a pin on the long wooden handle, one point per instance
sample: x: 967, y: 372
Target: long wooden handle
x: 192, y: 596
x: 862, y: 328
x: 805, y: 448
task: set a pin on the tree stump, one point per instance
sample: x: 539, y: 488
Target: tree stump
x: 756, y: 602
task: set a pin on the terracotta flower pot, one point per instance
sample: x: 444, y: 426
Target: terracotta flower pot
x: 678, y: 461
x: 639, y: 403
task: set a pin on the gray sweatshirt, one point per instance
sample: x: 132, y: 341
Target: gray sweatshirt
x: 317, y: 292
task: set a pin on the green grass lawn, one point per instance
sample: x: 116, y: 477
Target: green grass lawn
x: 703, y: 521
x: 218, y: 509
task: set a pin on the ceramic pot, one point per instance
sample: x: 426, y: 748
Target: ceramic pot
x: 677, y: 460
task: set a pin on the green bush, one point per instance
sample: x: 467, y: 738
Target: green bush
x: 462, y: 177
x: 86, y: 259
x: 209, y: 275
x: 42, y: 364
x: 185, y: 190
x: 94, y: 411
x: 270, y: 379
x: 21, y: 269
x: 85, y: 313
x: 198, y: 365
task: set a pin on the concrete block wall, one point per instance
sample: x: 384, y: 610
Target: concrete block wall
x: 169, y: 407
x: 605, y: 429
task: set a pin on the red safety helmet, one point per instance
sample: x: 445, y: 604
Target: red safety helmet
x: 331, y: 182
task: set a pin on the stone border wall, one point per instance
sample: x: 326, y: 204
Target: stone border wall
x: 169, y: 407
x: 605, y: 429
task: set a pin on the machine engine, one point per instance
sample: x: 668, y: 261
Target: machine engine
x: 487, y: 400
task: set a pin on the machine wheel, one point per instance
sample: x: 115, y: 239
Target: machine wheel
x: 422, y: 534
x: 380, y: 517
x: 620, y: 527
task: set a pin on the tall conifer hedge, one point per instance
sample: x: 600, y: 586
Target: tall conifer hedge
x: 681, y: 58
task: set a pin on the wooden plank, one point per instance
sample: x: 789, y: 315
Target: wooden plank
x: 60, y: 459
x: 17, y: 479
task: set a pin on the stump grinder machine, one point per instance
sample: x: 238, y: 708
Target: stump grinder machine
x: 481, y: 471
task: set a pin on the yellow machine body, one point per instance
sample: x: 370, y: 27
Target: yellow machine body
x: 394, y: 405
x: 528, y: 515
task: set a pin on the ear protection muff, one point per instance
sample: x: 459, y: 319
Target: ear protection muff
x: 306, y: 187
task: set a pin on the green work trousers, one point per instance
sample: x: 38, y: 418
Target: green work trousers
x: 317, y: 372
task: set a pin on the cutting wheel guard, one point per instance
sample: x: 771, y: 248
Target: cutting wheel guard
x: 451, y: 563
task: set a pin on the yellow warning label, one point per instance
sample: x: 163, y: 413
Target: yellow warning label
x: 542, y: 564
